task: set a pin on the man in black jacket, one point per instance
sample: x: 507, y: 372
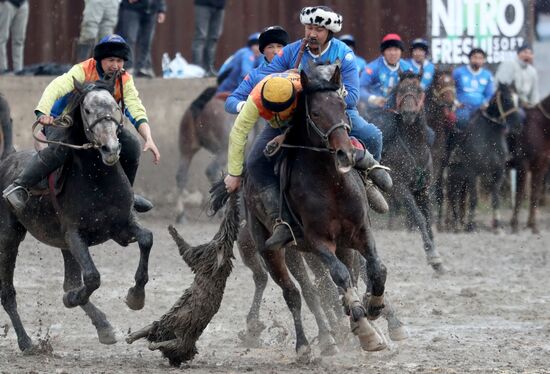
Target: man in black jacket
x: 136, y: 24
x: 208, y: 28
x: 14, y: 15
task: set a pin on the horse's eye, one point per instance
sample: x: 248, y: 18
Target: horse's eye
x: 87, y: 111
x: 315, y: 114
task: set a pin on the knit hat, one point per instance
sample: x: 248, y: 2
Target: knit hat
x: 523, y: 47
x: 321, y: 16
x: 420, y: 43
x: 273, y: 34
x: 348, y: 39
x: 278, y: 94
x: 112, y: 46
x: 391, y: 40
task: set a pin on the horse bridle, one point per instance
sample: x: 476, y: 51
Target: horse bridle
x: 503, y: 115
x: 438, y: 93
x: 323, y: 135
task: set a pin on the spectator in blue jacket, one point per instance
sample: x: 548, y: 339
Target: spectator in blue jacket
x: 321, y: 23
x: 382, y: 74
x: 238, y: 65
x: 350, y: 42
x: 474, y: 86
x: 272, y: 40
x: 420, y: 63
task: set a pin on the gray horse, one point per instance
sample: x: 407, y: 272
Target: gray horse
x: 93, y: 206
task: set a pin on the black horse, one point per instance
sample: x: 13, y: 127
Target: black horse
x: 481, y: 151
x: 329, y: 203
x: 407, y: 154
x: 93, y: 206
x: 6, y: 129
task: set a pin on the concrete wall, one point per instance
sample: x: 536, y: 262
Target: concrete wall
x: 165, y: 101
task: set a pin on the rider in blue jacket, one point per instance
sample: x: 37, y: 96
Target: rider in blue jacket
x: 474, y: 86
x: 419, y: 60
x: 320, y: 25
x: 240, y: 64
x: 382, y: 74
x: 271, y: 40
x: 361, y: 62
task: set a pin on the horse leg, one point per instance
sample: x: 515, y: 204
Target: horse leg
x: 495, y: 199
x: 520, y: 195
x: 537, y: 182
x: 92, y: 279
x: 434, y: 260
x: 251, y: 259
x: 369, y: 338
x: 298, y: 270
x: 9, y: 245
x: 275, y: 261
x: 471, y: 226
x: 330, y: 300
x: 73, y: 279
x: 135, y: 299
x: 181, y: 181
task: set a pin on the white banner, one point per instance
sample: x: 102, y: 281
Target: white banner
x: 499, y: 27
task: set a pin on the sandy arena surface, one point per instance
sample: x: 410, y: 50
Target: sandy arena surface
x: 490, y: 313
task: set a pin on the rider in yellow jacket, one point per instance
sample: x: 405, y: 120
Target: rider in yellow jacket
x: 109, y: 57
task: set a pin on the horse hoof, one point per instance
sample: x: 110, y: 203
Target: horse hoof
x: 328, y: 345
x: 398, y: 333
x: 106, y: 335
x: 471, y: 227
x: 249, y: 339
x: 304, y: 355
x: 439, y: 269
x: 135, y: 298
x: 375, y: 304
x: 25, y: 345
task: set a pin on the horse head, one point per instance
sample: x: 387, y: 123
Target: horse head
x: 443, y: 89
x: 325, y: 113
x: 101, y: 116
x: 503, y: 107
x: 409, y: 97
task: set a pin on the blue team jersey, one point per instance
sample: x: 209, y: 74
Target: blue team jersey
x: 240, y: 63
x: 379, y: 79
x: 245, y: 87
x: 336, y: 50
x: 428, y: 71
x: 361, y: 64
x: 472, y: 89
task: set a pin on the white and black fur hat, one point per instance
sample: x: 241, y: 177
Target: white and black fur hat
x: 321, y: 16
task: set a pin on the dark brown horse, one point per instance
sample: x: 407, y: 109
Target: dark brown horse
x: 440, y: 115
x: 6, y: 129
x: 407, y: 154
x: 481, y: 151
x: 205, y: 124
x: 329, y: 202
x: 534, y: 157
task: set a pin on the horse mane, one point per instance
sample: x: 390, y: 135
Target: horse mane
x: 200, y: 102
x: 317, y: 82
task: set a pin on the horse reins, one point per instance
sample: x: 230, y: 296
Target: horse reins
x: 503, y: 115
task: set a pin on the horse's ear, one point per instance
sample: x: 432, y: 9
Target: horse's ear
x: 336, y: 76
x: 304, y: 80
x: 79, y: 87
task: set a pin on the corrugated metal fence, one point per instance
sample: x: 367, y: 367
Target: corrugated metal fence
x: 54, y: 25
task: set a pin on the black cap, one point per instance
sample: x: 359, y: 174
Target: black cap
x: 273, y: 34
x: 112, y: 46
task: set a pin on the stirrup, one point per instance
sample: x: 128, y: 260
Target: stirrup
x: 278, y: 222
x: 17, y: 205
x: 374, y: 167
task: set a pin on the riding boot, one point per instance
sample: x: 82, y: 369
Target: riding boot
x: 281, y: 235
x: 380, y: 177
x: 141, y: 204
x: 38, y: 168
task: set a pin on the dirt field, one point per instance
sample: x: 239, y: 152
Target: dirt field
x: 491, y: 313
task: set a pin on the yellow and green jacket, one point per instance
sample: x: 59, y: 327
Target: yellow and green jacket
x: 249, y: 115
x: 56, y: 96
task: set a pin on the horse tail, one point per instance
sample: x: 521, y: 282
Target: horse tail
x: 200, y: 102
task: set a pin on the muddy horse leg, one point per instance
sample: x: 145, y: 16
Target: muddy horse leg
x: 537, y: 183
x: 73, y: 279
x: 496, y: 183
x: 9, y: 245
x: 251, y: 259
x: 135, y: 299
x: 298, y: 270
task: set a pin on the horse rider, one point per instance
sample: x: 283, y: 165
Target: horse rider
x: 275, y: 99
x: 474, y: 87
x: 349, y: 40
x: 109, y: 57
x: 320, y: 46
x: 420, y: 63
x: 271, y: 41
x: 239, y: 64
x: 381, y: 76
x: 522, y: 74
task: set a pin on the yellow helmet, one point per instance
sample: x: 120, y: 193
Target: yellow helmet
x: 278, y: 94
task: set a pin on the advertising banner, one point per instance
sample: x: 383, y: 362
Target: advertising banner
x: 499, y: 27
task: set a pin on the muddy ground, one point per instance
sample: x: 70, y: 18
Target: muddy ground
x: 490, y: 313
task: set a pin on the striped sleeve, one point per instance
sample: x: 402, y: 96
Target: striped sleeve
x: 135, y: 110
